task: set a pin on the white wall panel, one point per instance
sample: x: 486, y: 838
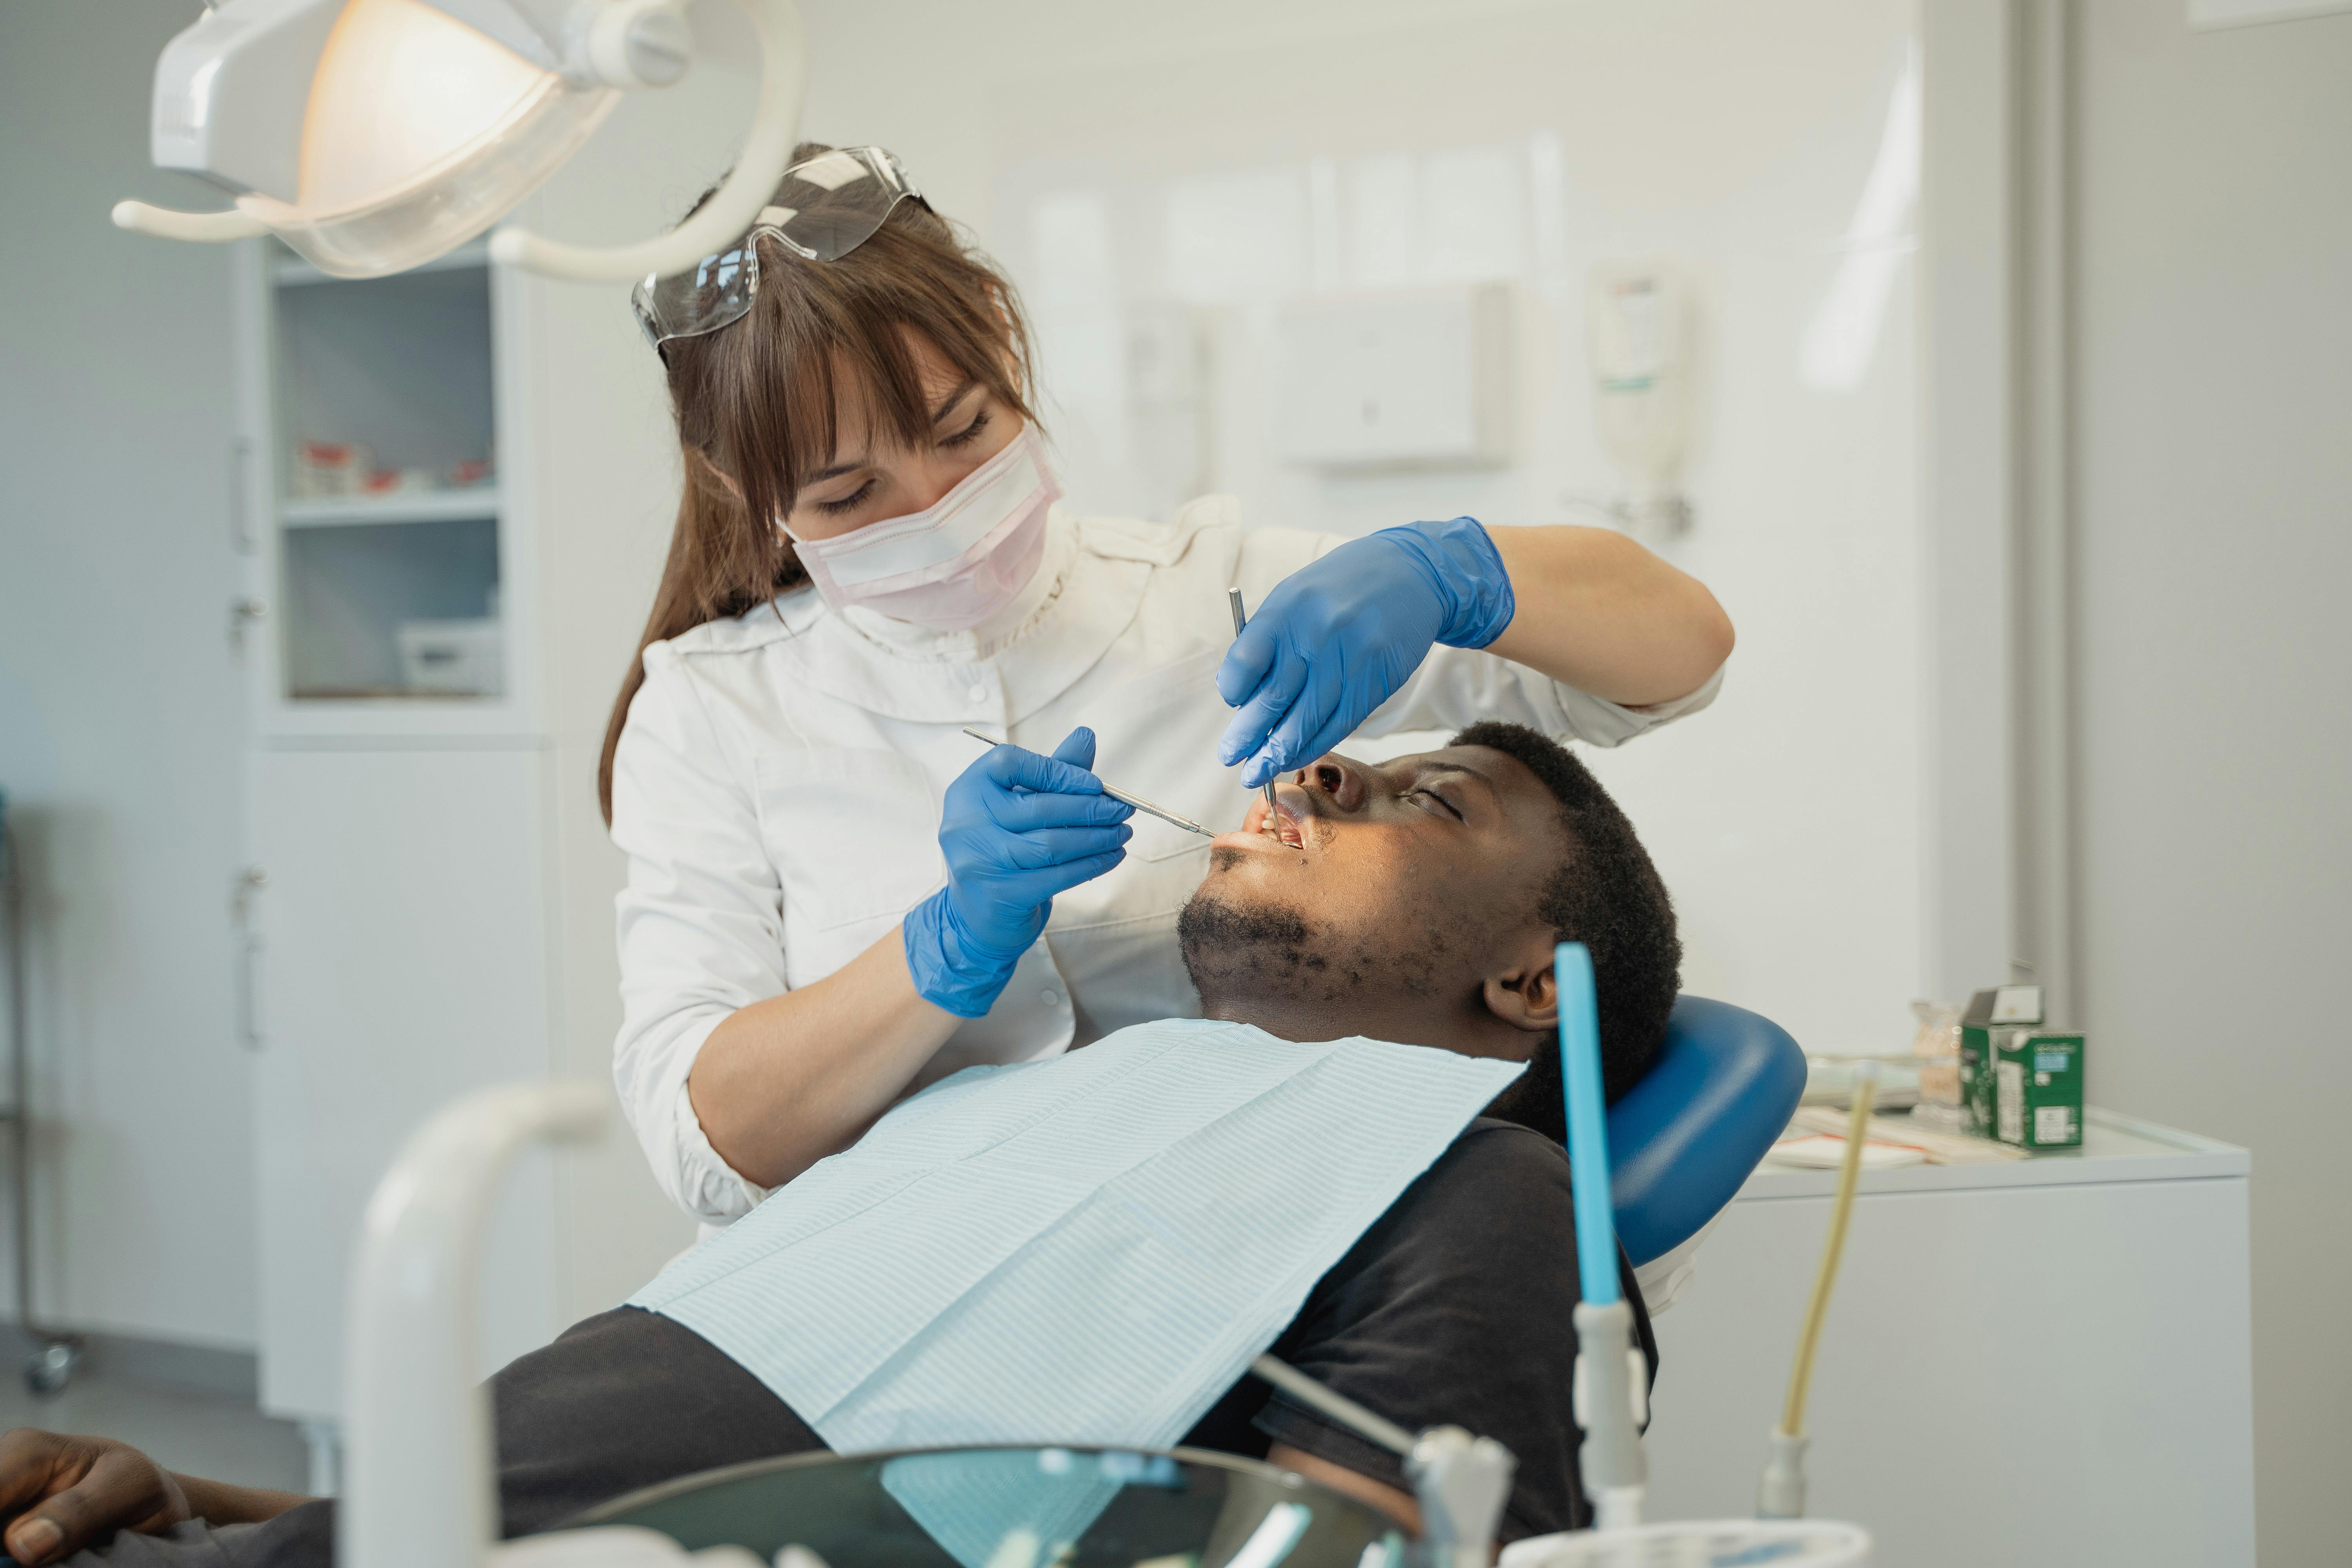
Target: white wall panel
x: 2214, y: 426
x: 120, y: 709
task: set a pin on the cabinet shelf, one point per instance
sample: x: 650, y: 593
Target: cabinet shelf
x: 418, y: 506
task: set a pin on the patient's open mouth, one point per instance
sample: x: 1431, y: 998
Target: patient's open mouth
x: 1265, y: 831
x: 1283, y: 822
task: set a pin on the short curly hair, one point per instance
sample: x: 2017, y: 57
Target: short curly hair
x: 1607, y: 895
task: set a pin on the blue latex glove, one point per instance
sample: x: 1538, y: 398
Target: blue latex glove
x: 1337, y: 637
x: 1017, y: 829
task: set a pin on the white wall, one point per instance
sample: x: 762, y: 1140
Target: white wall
x: 1735, y: 140
x: 2213, y: 419
x: 121, y: 709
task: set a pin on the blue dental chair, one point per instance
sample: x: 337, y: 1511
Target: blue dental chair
x: 1684, y: 1138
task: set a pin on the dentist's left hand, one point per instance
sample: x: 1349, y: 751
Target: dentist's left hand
x: 1017, y: 829
x: 1338, y: 637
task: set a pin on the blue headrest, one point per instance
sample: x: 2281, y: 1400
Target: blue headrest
x: 1684, y: 1138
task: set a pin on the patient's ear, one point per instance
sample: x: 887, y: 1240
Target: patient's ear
x: 1521, y: 992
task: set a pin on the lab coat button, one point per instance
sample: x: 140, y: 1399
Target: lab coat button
x: 980, y: 694
x: 1052, y: 998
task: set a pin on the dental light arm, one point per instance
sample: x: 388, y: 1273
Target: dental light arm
x: 372, y: 135
x: 419, y: 1478
x: 202, y: 229
x: 767, y: 152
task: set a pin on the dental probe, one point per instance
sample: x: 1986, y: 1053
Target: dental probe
x: 1136, y: 801
x: 1233, y: 597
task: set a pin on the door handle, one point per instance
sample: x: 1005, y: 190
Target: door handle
x: 242, y: 897
x: 240, y: 494
x: 243, y: 613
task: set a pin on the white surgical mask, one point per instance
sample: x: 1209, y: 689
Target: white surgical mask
x: 954, y: 564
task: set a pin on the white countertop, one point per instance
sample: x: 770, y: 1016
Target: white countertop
x: 2115, y: 1148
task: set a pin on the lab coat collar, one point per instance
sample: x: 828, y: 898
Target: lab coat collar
x: 1000, y: 672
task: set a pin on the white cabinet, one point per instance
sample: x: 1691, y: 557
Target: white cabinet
x: 399, y: 928
x: 404, y: 960
x: 429, y: 905
x: 2044, y: 1363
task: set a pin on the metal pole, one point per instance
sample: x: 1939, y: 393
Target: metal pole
x: 20, y: 1152
x: 50, y: 1365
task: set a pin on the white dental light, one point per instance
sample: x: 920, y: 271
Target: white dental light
x: 372, y: 135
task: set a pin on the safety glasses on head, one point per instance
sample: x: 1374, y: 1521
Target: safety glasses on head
x: 824, y: 208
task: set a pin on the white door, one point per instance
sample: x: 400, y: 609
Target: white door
x: 404, y: 960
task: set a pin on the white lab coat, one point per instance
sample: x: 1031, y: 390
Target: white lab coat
x: 778, y: 789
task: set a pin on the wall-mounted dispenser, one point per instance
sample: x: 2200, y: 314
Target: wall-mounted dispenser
x: 1639, y: 326
x: 1415, y: 379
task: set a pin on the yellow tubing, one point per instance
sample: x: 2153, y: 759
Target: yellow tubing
x: 1792, y: 1419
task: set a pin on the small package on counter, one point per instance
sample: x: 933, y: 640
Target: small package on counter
x: 1934, y: 1146
x: 2021, y: 1082
x: 1936, y: 1050
x: 2038, y: 1088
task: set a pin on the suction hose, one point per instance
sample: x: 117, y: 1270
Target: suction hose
x: 1780, y: 1494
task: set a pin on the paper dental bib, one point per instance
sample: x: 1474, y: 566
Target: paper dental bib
x: 1084, y: 1250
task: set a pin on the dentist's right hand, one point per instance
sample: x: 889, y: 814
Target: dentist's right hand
x: 1017, y: 829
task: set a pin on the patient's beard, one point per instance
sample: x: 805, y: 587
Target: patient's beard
x: 1244, y: 959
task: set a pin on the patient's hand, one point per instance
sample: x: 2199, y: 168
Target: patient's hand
x: 60, y: 1494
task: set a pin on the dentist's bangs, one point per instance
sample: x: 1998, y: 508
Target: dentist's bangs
x: 757, y: 402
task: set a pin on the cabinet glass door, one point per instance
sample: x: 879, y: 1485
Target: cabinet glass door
x: 388, y: 567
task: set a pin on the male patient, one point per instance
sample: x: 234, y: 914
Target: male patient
x: 1416, y: 902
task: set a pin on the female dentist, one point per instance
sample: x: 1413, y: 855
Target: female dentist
x: 834, y: 894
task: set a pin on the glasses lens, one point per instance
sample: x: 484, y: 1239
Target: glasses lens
x: 716, y: 291
x: 836, y: 201
x: 823, y: 209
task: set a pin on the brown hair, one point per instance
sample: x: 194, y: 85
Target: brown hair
x: 754, y: 403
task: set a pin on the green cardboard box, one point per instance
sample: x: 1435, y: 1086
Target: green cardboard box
x: 2037, y: 1088
x: 1988, y: 1011
x: 2019, y: 1082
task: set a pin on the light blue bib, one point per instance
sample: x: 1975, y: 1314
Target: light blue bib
x: 1087, y: 1250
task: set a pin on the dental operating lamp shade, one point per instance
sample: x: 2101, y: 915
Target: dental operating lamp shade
x: 374, y: 135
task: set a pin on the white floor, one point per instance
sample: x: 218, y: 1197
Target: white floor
x: 188, y: 1430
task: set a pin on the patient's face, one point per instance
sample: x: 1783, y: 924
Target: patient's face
x: 1397, y: 881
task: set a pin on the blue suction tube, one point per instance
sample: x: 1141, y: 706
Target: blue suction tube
x: 1588, y: 1123
x: 1611, y: 1380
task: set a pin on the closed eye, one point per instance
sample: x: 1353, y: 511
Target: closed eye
x: 1442, y: 803
x: 970, y: 433
x: 849, y: 502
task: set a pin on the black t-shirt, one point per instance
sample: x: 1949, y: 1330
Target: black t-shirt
x: 1454, y: 1307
